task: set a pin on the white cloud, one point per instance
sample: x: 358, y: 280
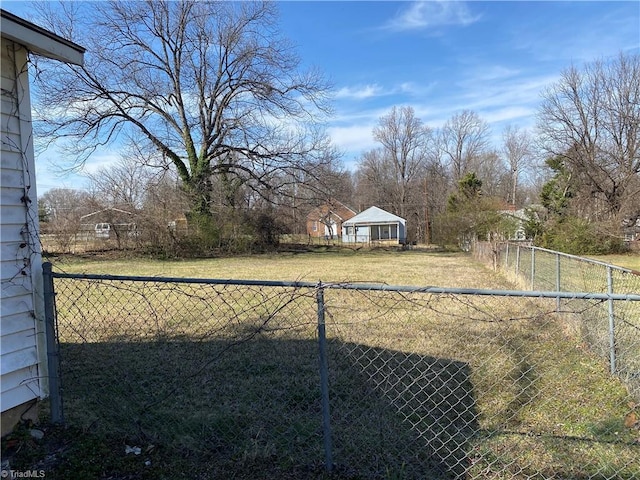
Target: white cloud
x: 430, y: 14
x: 353, y: 139
x: 491, y: 73
x: 592, y: 38
x: 510, y: 114
x: 360, y: 92
x: 416, y: 89
x: 500, y: 95
x: 53, y: 170
x: 101, y: 161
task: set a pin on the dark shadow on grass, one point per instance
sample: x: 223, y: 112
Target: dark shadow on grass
x: 252, y: 410
x: 222, y: 409
x: 427, y: 402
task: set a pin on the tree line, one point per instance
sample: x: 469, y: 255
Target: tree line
x: 222, y: 127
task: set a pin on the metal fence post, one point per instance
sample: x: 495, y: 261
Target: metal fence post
x: 558, y: 284
x: 612, y: 334
x: 324, y: 380
x: 533, y: 268
x: 55, y: 395
x: 517, y: 262
x: 506, y: 258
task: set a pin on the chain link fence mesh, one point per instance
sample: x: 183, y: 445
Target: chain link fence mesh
x: 610, y: 329
x: 204, y: 370
x: 483, y: 387
x: 224, y: 378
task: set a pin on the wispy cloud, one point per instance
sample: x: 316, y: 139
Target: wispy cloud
x: 353, y: 138
x: 431, y: 14
x: 375, y: 90
x: 500, y: 94
x: 53, y: 172
x: 101, y: 161
x: 416, y: 89
x: 592, y: 40
x: 360, y: 92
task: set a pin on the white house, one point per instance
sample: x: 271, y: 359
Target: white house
x: 519, y: 218
x: 375, y: 225
x: 22, y: 347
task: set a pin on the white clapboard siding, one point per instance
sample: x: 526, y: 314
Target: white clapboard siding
x: 16, y: 380
x: 23, y: 348
x: 21, y: 338
x: 14, y: 323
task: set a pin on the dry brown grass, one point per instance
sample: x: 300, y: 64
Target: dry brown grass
x: 418, y: 268
x: 526, y: 401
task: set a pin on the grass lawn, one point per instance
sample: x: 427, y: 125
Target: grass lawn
x: 412, y: 267
x: 222, y: 381
x: 627, y: 260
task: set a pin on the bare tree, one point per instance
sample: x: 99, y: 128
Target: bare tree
x: 405, y: 142
x: 210, y: 86
x: 373, y: 180
x: 64, y: 208
x: 162, y: 222
x: 463, y: 137
x: 590, y: 119
x: 124, y: 184
x: 516, y: 148
x: 324, y: 185
x: 492, y: 171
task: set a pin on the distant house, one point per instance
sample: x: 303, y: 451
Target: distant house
x: 631, y: 229
x: 23, y: 347
x: 519, y: 217
x: 107, y: 222
x: 327, y: 220
x: 375, y: 225
x: 179, y: 226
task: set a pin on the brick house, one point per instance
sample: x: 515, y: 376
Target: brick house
x: 326, y: 220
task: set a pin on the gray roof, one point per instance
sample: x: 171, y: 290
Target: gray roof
x: 374, y: 215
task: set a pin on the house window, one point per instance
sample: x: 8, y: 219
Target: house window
x: 314, y: 227
x: 102, y: 230
x: 384, y: 232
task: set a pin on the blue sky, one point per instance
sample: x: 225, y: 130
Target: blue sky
x: 494, y: 58
x: 443, y: 57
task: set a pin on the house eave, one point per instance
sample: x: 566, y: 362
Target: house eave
x: 39, y: 40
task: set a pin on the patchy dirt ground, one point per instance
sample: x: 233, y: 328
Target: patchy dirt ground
x: 56, y: 452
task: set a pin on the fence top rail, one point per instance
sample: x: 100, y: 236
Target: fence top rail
x: 211, y: 281
x: 580, y: 259
x: 354, y: 286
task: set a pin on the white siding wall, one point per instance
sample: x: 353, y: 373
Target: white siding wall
x: 21, y: 306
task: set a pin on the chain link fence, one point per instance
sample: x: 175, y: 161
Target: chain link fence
x: 610, y: 329
x: 256, y: 379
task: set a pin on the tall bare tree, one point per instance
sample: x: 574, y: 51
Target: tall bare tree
x: 374, y: 180
x: 590, y: 120
x: 405, y: 145
x: 463, y: 138
x: 491, y: 169
x: 517, y: 150
x: 212, y: 87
